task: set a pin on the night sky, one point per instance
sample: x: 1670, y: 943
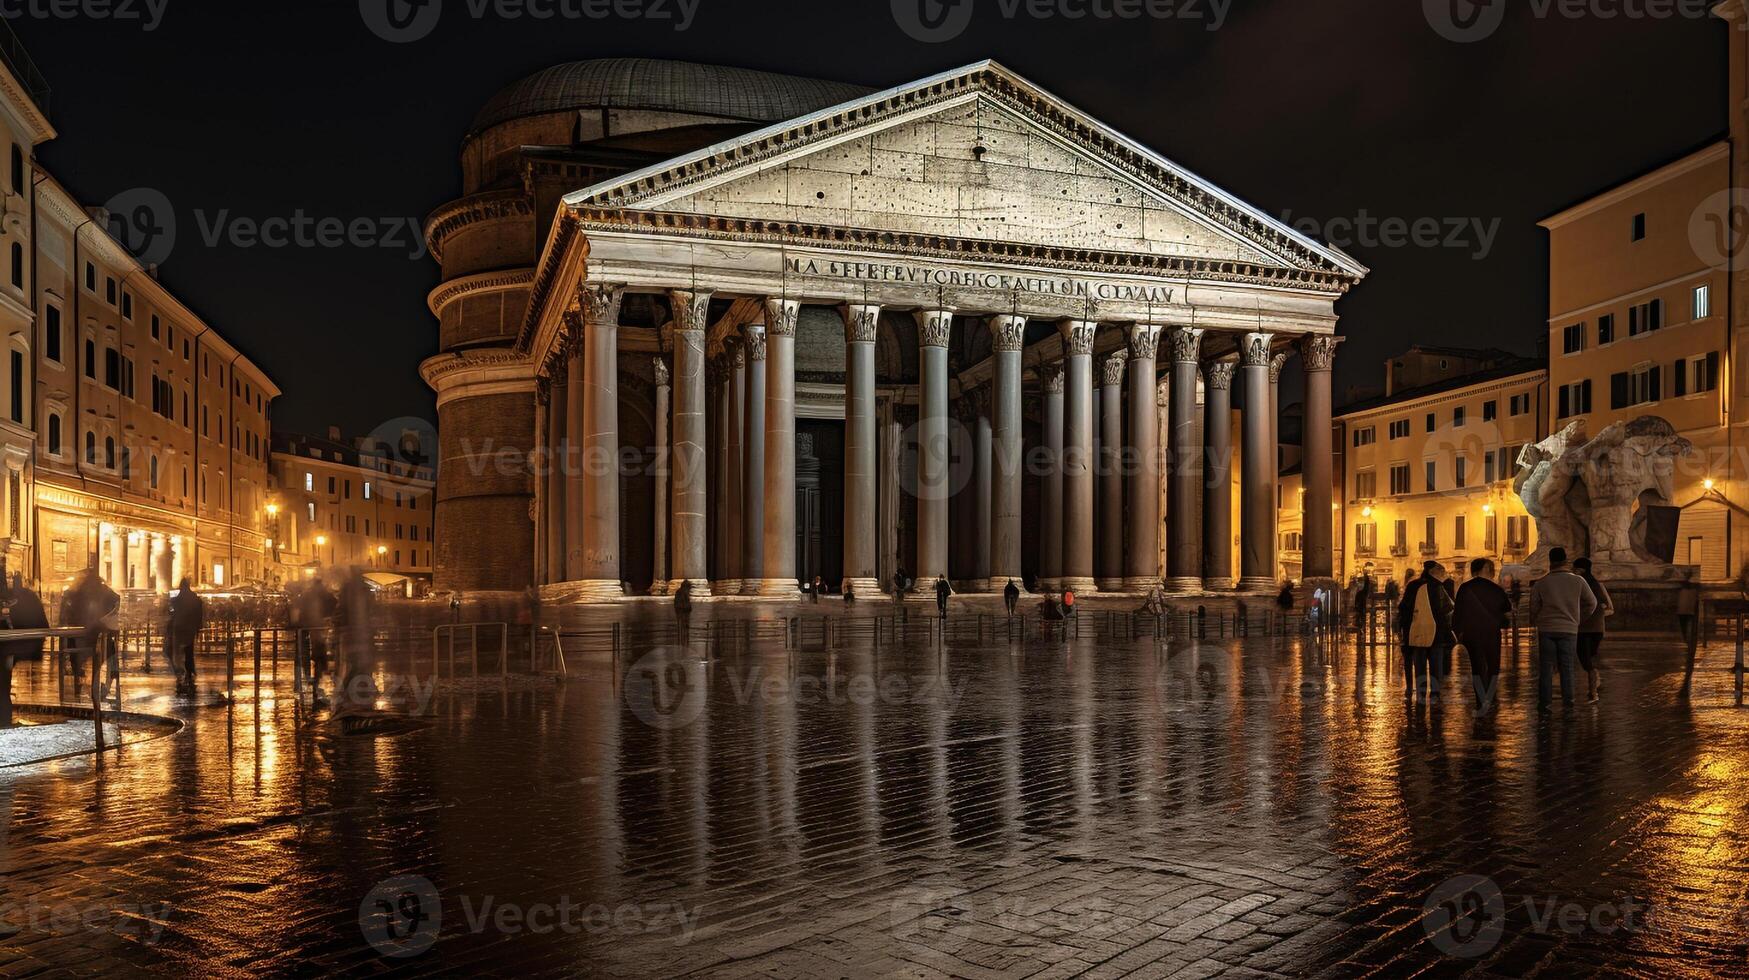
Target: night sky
x: 1319, y: 110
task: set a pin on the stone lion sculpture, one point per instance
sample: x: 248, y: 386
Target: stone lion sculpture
x: 1583, y: 493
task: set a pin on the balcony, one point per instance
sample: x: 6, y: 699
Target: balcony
x: 18, y: 62
x: 1429, y: 549
x: 1399, y: 551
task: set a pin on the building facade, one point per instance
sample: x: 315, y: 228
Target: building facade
x: 753, y: 329
x: 336, y: 504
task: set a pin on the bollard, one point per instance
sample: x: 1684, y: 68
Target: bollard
x: 1739, y: 658
x: 258, y: 675
x: 230, y: 666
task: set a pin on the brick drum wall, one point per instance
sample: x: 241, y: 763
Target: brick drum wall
x: 485, y: 538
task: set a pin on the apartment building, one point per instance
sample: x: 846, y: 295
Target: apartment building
x: 340, y: 504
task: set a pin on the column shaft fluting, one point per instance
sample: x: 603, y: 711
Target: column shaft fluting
x: 1183, y: 513
x: 1078, y: 454
x: 691, y: 494
x: 753, y: 465
x: 1256, y: 488
x: 780, y: 449
x: 861, y: 324
x: 1217, y: 488
x: 1050, y: 545
x: 558, y: 461
x: 664, y: 465
x: 1007, y: 337
x: 933, y: 447
x: 1318, y: 354
x: 1110, y: 560
x: 1141, y: 565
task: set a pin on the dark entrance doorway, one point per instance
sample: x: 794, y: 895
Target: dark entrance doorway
x: 820, y: 501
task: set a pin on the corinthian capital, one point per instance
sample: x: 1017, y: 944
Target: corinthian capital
x: 781, y: 316
x: 1186, y: 344
x: 862, y: 323
x: 1319, y: 352
x: 1111, y: 370
x: 1218, y: 375
x: 1276, y: 364
x: 1144, y: 340
x: 753, y: 336
x: 599, y: 302
x: 1050, y: 378
x: 660, y: 366
x: 934, y: 327
x: 692, y: 310
x: 1078, y: 336
x: 1008, y: 332
x: 1254, y: 349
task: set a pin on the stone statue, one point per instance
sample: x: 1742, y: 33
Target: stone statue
x: 1585, y: 494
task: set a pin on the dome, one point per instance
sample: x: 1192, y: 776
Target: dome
x: 739, y: 94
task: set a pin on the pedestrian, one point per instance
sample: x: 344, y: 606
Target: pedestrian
x: 1591, y: 630
x: 1559, y: 602
x: 899, y: 589
x: 849, y: 592
x: 942, y: 591
x: 1011, y: 597
x: 94, y: 607
x: 1068, y: 603
x: 1482, y: 610
x: 357, y: 654
x: 316, y: 608
x: 683, y: 610
x: 1425, y: 613
x: 187, y: 616
x: 1688, y: 621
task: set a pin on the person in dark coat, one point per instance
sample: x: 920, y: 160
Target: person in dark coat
x: 1011, y: 597
x: 92, y: 606
x: 942, y: 591
x: 187, y: 616
x: 683, y: 609
x: 316, y: 608
x: 1427, y: 635
x: 20, y: 609
x: 1482, y: 610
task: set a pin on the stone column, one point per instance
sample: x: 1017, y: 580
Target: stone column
x: 541, y: 462
x: 933, y: 447
x: 1217, y: 487
x: 1109, y: 563
x: 576, y: 459
x: 558, y: 465
x: 1141, y: 566
x: 1277, y: 365
x: 1318, y: 355
x: 780, y: 450
x: 983, y: 453
x: 753, y: 465
x: 598, y: 575
x: 1256, y: 483
x: 1183, y: 538
x: 659, y: 581
x: 734, y: 479
x: 690, y: 525
x: 861, y: 324
x: 1078, y: 454
x: 1050, y: 546
x: 1007, y: 337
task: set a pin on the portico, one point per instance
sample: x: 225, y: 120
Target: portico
x: 967, y: 294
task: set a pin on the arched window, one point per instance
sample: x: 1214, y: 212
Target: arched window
x: 154, y: 471
x: 54, y: 434
x: 109, y: 452
x: 90, y: 448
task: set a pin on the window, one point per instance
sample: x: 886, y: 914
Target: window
x: 90, y: 359
x: 1366, y: 436
x: 1458, y: 533
x: 90, y: 277
x: 1457, y: 417
x: 1636, y: 387
x: 109, y: 290
x: 112, y: 368
x: 1366, y: 539
x: 1695, y: 375
x: 127, y: 376
x: 1517, y: 533
x: 109, y: 453
x: 1432, y: 468
x: 1606, y: 329
x: 1646, y: 318
x: 1573, y: 339
x: 17, y: 169
x: 1491, y: 533
x: 367, y: 489
x: 312, y: 506
x: 1399, y: 479
x: 1703, y: 302
x: 1400, y: 542
x: 52, y: 333
x: 1640, y: 226
x: 1400, y: 429
x: 54, y: 434
x: 90, y: 448
x: 330, y: 486
x: 1575, y: 399
x: 1490, y: 410
x: 1508, y: 461
x: 127, y: 305
x: 1519, y: 405
x: 1459, y: 471
x: 348, y: 488
x: 17, y: 406
x: 157, y: 328
x: 153, y: 475
x: 17, y: 266
x: 1366, y: 484
x: 309, y: 482
x: 1430, y: 538
x: 1490, y: 463
x: 1432, y: 422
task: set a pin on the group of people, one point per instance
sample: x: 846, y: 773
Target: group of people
x: 1568, y: 608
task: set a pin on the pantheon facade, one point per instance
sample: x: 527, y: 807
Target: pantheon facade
x: 740, y: 329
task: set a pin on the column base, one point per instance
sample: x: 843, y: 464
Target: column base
x: 1141, y: 584
x: 865, y: 588
x: 779, y: 588
x: 1183, y: 583
x: 1112, y: 585
x: 595, y: 590
x: 1257, y: 583
x: 1080, y: 585
x: 999, y: 584
x: 1049, y: 584
x: 1218, y: 584
x: 700, y: 588
x: 727, y: 587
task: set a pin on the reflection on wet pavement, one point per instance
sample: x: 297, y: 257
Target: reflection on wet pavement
x: 1029, y: 810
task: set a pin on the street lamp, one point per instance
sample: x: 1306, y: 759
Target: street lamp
x: 322, y: 542
x: 382, y: 551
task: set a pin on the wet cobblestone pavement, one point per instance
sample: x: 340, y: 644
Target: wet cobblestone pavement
x: 1096, y: 808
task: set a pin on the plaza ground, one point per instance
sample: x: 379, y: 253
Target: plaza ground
x: 751, y: 806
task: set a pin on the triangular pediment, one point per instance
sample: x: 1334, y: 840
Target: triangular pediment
x: 977, y: 155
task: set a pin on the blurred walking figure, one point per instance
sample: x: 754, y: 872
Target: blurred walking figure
x: 849, y: 592
x: 1427, y: 638
x: 683, y: 609
x: 942, y: 591
x: 93, y: 607
x: 1559, y: 603
x: 1688, y: 621
x: 1011, y: 597
x: 187, y: 616
x: 315, y: 614
x: 1591, y: 630
x: 818, y: 588
x: 1483, y: 609
x: 357, y: 657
